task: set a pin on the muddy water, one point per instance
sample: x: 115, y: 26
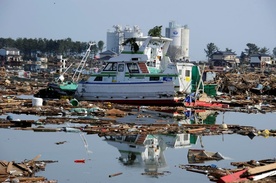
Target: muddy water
x: 102, y: 158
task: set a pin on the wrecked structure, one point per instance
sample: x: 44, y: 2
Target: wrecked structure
x: 23, y: 171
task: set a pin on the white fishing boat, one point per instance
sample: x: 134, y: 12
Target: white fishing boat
x: 142, y: 74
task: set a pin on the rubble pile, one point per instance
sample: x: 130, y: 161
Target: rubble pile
x: 101, y: 118
x: 250, y: 171
x: 241, y: 92
x: 24, y: 171
x: 246, y: 84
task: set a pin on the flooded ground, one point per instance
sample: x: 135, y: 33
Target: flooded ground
x: 102, y: 158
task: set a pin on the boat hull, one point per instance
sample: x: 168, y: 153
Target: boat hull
x: 57, y: 91
x: 136, y: 93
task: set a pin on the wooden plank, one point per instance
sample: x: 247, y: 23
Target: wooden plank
x: 261, y: 169
x: 9, y: 168
x: 31, y: 179
x: 264, y: 175
x: 3, y: 170
x: 197, y: 130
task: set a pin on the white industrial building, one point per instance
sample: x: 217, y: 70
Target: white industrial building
x: 180, y: 36
x: 116, y: 38
x: 179, y: 47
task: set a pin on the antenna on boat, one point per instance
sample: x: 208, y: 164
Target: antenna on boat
x: 82, y: 63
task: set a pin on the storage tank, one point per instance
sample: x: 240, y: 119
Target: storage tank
x: 180, y: 35
x: 185, y: 41
x: 116, y: 38
x: 112, y: 41
x: 175, y: 34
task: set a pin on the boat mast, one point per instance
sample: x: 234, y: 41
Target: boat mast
x: 82, y: 63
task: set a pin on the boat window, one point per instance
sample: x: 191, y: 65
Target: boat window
x: 186, y: 137
x: 130, y: 138
x: 121, y: 67
x: 151, y: 63
x: 187, y: 73
x: 155, y: 78
x: 98, y: 78
x: 133, y: 68
x: 111, y: 67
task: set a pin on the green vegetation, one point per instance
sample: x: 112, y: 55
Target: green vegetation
x: 155, y: 32
x: 251, y: 49
x: 44, y: 46
x: 132, y: 42
x: 100, y: 46
x: 211, y: 48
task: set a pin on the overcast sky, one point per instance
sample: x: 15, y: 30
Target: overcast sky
x: 228, y: 24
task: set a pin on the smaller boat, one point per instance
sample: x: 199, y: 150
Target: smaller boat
x: 200, y: 155
x: 61, y: 88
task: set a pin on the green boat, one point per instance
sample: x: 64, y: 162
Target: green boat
x: 61, y: 88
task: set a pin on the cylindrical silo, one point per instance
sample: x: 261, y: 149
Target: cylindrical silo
x: 112, y: 41
x: 185, y: 41
x: 175, y: 34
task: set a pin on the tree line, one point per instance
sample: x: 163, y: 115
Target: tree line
x: 49, y: 47
x: 251, y: 49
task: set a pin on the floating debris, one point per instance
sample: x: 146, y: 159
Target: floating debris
x: 62, y: 142
x: 200, y: 156
x: 24, y: 171
x: 115, y: 174
x: 79, y: 161
x: 245, y: 171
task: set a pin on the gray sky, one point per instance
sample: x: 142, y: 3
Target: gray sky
x: 228, y: 24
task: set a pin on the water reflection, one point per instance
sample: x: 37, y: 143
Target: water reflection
x: 147, y: 150
x: 103, y: 161
x: 199, y: 117
x: 187, y: 116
